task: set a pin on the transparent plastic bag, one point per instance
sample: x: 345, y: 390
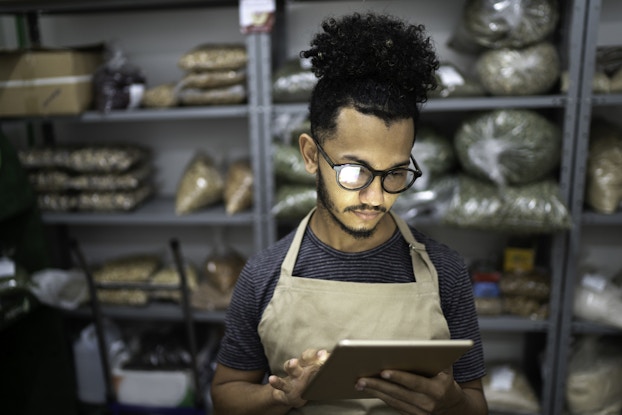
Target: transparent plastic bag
x: 508, y: 146
x: 507, y: 390
x: 532, y: 208
x: 201, y: 185
x: 598, y: 300
x: 604, y: 167
x: 495, y: 24
x: 509, y: 72
x: 65, y: 289
x: 238, y: 191
x: 118, y: 84
x: 593, y: 380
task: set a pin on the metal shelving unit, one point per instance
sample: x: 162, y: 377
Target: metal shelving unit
x: 161, y: 211
x: 569, y: 326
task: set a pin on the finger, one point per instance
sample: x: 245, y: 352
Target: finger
x: 276, y: 382
x: 293, y: 368
x: 308, y: 356
x: 393, y: 395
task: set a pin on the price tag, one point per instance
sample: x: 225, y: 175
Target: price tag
x: 256, y: 15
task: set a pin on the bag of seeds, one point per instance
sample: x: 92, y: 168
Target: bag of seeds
x: 604, y: 167
x: 238, y: 192
x: 208, y: 57
x: 508, y: 146
x: 509, y: 72
x: 495, y: 24
x: 201, y: 185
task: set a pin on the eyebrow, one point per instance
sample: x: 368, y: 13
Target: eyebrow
x: 354, y: 159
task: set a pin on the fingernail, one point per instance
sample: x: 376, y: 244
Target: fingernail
x: 360, y: 385
x: 321, y: 353
x: 385, y: 375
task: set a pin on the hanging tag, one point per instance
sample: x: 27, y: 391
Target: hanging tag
x: 256, y: 16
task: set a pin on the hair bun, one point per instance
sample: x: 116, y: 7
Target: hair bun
x: 379, y: 47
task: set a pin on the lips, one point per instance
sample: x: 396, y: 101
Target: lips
x: 367, y: 214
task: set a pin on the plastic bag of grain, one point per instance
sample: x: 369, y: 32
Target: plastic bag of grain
x: 509, y: 72
x: 289, y: 166
x: 593, y: 381
x: 604, y: 167
x: 508, y: 146
x: 238, y: 192
x: 210, y: 56
x: 201, y: 185
x: 535, y: 207
x: 495, y: 24
x: 507, y: 389
x: 222, y: 269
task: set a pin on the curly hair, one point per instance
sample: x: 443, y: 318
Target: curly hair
x: 377, y: 64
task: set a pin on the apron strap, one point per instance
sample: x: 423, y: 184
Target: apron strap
x: 287, y: 267
x: 423, y: 271
x: 417, y: 249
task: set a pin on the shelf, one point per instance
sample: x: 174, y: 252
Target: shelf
x: 513, y: 324
x: 167, y: 114
x: 160, y: 211
x: 586, y: 327
x: 95, y: 6
x: 607, y: 99
x: 142, y: 114
x: 153, y: 311
x: 593, y: 218
x: 462, y: 104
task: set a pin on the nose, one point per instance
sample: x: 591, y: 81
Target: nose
x: 373, y: 195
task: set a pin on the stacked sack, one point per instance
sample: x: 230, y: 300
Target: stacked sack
x: 295, y: 187
x: 293, y: 81
x: 603, y: 190
x: 103, y: 178
x: 508, y: 158
x: 143, y: 278
x: 607, y: 76
x: 215, y: 74
x: 203, y: 185
x: 510, y: 42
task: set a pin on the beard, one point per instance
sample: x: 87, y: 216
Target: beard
x: 325, y: 200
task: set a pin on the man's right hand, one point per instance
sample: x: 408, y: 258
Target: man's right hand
x: 288, y: 389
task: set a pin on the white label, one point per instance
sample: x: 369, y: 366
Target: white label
x: 502, y: 378
x: 7, y: 267
x: 256, y: 15
x: 594, y: 282
x: 449, y: 76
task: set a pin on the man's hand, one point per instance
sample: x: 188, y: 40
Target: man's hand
x: 288, y: 390
x: 413, y: 394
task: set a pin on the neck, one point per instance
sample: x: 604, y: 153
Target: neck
x: 330, y: 233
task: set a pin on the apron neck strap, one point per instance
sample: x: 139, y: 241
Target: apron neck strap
x: 417, y: 250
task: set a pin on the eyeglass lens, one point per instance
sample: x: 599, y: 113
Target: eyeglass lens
x: 358, y: 176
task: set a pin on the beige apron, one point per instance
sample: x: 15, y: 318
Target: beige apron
x: 314, y: 313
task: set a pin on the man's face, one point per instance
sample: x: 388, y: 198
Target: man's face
x: 362, y: 139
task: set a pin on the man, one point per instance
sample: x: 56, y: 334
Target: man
x: 352, y: 269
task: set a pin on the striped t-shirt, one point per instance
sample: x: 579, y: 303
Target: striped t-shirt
x: 390, y: 262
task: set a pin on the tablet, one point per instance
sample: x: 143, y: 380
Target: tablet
x: 353, y: 359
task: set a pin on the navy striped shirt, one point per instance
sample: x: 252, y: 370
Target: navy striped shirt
x: 390, y: 262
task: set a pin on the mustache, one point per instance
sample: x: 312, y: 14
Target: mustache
x: 381, y: 209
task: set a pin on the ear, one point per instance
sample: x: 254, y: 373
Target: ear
x: 309, y: 152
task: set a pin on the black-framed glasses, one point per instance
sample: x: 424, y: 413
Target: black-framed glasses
x: 355, y: 176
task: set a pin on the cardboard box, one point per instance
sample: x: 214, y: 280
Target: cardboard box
x: 47, y: 81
